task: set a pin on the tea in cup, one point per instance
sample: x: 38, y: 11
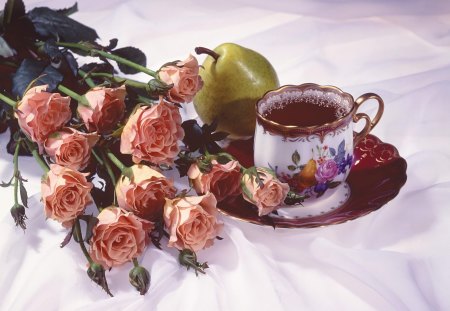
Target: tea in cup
x: 305, y: 135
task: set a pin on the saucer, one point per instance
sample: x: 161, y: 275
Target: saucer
x: 377, y: 176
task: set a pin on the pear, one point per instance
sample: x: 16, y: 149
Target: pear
x: 234, y: 78
x: 307, y: 177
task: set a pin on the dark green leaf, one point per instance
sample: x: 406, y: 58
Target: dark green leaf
x: 23, y: 193
x: 296, y: 157
x: 292, y: 167
x: 70, y: 10
x: 14, y: 9
x: 112, y: 44
x: 133, y: 54
x: 71, y: 62
x: 218, y: 136
x: 7, y: 184
x: 67, y: 238
x: 91, y: 222
x: 30, y: 70
x: 52, y: 24
x: 5, y: 50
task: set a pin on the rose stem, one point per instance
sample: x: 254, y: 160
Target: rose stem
x: 201, y: 50
x: 8, y: 100
x: 97, y: 157
x: 116, y: 161
x: 111, y: 175
x: 79, y: 98
x: 135, y: 262
x: 95, y: 52
x: 77, y: 231
x: 86, y: 78
x: 16, y: 173
x: 36, y: 156
x: 128, y: 82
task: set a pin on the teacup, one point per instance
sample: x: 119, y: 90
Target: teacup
x: 305, y: 135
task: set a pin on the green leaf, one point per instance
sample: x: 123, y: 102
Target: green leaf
x: 91, y: 222
x: 53, y: 24
x: 292, y: 167
x: 296, y: 157
x: 133, y: 54
x: 23, y: 193
x: 7, y: 184
x: 70, y: 10
x: 246, y: 191
x: 30, y: 70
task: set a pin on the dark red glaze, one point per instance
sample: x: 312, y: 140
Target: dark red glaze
x: 376, y: 178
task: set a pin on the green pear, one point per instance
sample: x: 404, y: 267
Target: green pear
x: 234, y: 79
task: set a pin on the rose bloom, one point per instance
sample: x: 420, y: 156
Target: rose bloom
x: 41, y: 113
x: 185, y: 79
x: 118, y: 237
x: 223, y: 180
x: 70, y: 148
x: 192, y: 222
x: 268, y: 197
x: 65, y: 194
x: 145, y: 194
x: 152, y: 134
x: 326, y: 171
x: 106, y: 109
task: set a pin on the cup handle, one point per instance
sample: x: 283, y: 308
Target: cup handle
x: 370, y: 124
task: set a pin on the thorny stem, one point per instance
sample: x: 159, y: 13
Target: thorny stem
x: 36, y: 156
x: 79, y: 98
x: 8, y: 100
x: 86, y: 78
x: 111, y: 175
x: 77, y: 232
x: 96, y: 52
x: 16, y: 173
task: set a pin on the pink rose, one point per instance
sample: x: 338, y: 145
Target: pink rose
x: 185, y: 79
x: 118, y: 237
x: 268, y: 197
x: 70, y: 148
x: 152, y: 134
x: 106, y: 108
x: 326, y: 171
x: 146, y: 193
x: 192, y: 222
x: 65, y: 194
x: 41, y: 113
x: 223, y: 180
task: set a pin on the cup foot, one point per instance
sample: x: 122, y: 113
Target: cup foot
x: 330, y: 201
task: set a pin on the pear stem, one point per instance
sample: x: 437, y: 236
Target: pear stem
x: 201, y: 50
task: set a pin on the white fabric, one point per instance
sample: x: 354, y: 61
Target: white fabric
x: 396, y: 258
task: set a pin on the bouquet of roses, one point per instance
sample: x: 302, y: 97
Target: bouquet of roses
x: 105, y: 139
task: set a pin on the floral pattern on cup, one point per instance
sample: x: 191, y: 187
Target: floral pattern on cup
x: 319, y: 173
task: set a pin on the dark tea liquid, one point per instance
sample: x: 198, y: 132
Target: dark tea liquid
x: 302, y: 113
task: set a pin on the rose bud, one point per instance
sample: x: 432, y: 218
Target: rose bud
x: 185, y: 79
x: 41, y: 113
x: 140, y: 279
x: 145, y: 193
x: 106, y: 108
x: 264, y: 190
x: 65, y: 194
x: 118, y: 237
x: 152, y: 134
x: 97, y: 274
x: 192, y: 222
x: 70, y: 148
x: 223, y: 180
x: 18, y: 213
